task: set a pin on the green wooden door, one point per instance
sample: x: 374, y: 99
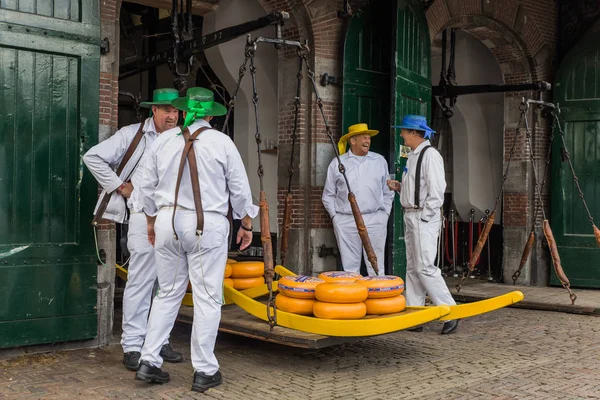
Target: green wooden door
x: 577, y: 90
x: 49, y: 78
x: 378, y: 88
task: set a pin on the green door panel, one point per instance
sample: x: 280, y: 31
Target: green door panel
x: 378, y: 88
x: 49, y: 78
x: 411, y: 94
x: 578, y: 93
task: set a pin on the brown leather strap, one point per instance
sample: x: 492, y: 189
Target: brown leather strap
x: 189, y: 154
x: 130, y: 150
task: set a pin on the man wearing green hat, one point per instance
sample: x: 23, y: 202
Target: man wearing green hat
x: 190, y: 229
x: 367, y: 173
x: 133, y: 142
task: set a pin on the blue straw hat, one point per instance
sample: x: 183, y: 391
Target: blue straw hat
x: 416, y: 122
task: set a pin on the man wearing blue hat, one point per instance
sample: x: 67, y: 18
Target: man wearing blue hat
x: 116, y: 163
x: 186, y: 201
x: 421, y: 197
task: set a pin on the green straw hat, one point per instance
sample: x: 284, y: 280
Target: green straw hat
x: 161, y: 97
x: 199, y: 101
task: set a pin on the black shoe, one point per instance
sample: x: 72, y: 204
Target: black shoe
x: 450, y: 327
x: 170, y: 355
x: 150, y: 374
x: 417, y: 329
x: 203, y: 382
x: 131, y: 360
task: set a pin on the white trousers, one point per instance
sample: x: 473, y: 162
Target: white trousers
x: 141, y: 275
x: 422, y: 275
x: 350, y: 245
x: 200, y: 260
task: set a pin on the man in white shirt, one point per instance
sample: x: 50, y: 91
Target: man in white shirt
x: 186, y: 250
x: 367, y: 173
x: 102, y: 160
x: 422, y: 201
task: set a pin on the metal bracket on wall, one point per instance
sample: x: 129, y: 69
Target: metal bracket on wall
x: 324, y: 251
x: 327, y: 79
x: 104, y: 46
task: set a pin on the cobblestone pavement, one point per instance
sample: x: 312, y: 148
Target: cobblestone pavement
x: 508, y: 354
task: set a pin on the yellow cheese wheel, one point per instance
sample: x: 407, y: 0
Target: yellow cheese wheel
x: 296, y: 306
x: 341, y: 292
x: 247, y: 283
x: 231, y: 261
x: 339, y: 276
x: 228, y: 270
x: 299, y: 287
x: 228, y: 281
x: 382, y: 286
x: 339, y: 311
x: 388, y: 305
x: 247, y: 269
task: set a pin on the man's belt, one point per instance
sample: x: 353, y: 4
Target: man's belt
x: 130, y: 150
x: 189, y: 154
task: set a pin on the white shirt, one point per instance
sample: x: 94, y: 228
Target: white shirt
x: 367, y: 176
x: 221, y: 174
x: 103, y: 159
x: 432, y: 183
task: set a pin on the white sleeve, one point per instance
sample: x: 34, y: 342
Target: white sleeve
x: 330, y: 189
x: 107, y: 153
x: 238, y: 184
x: 388, y: 195
x: 435, y: 181
x: 149, y: 182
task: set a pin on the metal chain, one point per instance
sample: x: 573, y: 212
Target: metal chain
x: 250, y: 52
x: 539, y: 204
x: 319, y: 101
x: 568, y: 157
x: 504, y: 178
x: 231, y: 102
x: 299, y: 77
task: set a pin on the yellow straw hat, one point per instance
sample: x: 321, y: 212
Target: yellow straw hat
x: 353, y: 130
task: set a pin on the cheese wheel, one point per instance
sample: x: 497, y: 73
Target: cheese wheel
x: 228, y: 281
x: 299, y: 287
x: 228, y: 270
x: 339, y: 311
x: 341, y: 292
x: 296, y: 306
x: 230, y: 261
x: 247, y: 283
x: 247, y: 269
x: 339, y: 276
x: 388, y: 305
x: 382, y: 286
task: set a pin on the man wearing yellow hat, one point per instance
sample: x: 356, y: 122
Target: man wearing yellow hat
x: 190, y: 227
x: 102, y: 160
x: 367, y: 173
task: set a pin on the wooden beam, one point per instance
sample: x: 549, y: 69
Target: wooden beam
x: 199, y: 7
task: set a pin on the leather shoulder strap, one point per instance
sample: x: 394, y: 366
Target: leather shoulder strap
x: 130, y: 150
x: 190, y: 155
x: 418, y: 177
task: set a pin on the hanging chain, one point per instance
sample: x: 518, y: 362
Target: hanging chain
x: 504, y: 178
x: 242, y: 71
x: 304, y: 54
x: 264, y: 210
x: 567, y: 155
x: 539, y: 204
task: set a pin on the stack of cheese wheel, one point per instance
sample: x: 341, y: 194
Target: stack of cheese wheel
x: 297, y: 294
x: 247, y: 274
x: 228, y: 271
x: 385, y: 294
x: 340, y: 297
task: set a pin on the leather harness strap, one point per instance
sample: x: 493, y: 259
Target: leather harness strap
x: 128, y: 154
x: 418, y: 177
x: 189, y: 154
